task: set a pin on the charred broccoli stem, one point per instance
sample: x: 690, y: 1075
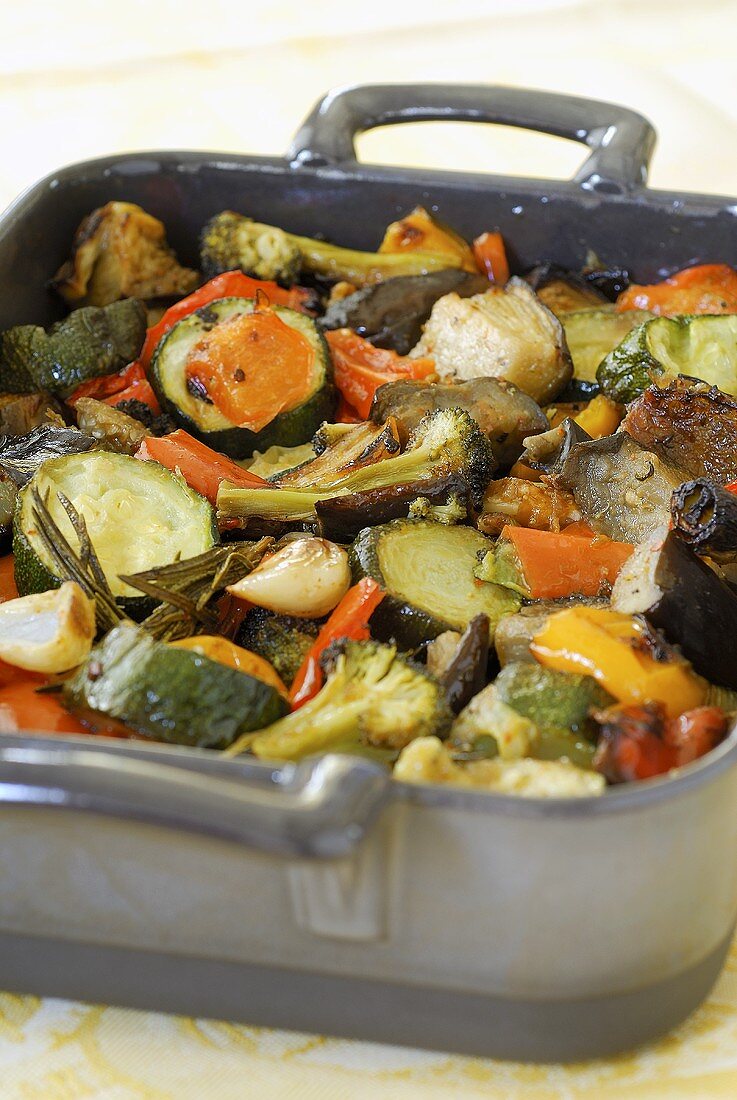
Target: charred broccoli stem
x: 231, y: 240
x: 372, y: 697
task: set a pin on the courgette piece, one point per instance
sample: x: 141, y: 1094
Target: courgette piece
x: 138, y: 516
x: 88, y: 343
x: 196, y: 413
x: 170, y: 694
x: 702, y: 347
x: 591, y: 334
x: 426, y: 569
x: 8, y: 495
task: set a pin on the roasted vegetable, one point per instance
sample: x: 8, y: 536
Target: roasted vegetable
x: 419, y: 231
x: 220, y: 649
x: 689, y: 425
x: 549, y: 565
x: 120, y: 251
x: 491, y: 257
x: 372, y: 697
x: 272, y: 462
x: 599, y: 417
x: 591, y: 334
x: 504, y: 413
x: 336, y: 457
x: 622, y: 655
x: 21, y: 458
x: 426, y: 760
x: 639, y: 742
x: 170, y: 694
x: 447, y: 446
x: 443, y: 499
x: 706, y: 288
x: 704, y: 348
x: 622, y: 490
x: 47, y: 632
x: 231, y: 240
x: 239, y: 375
x: 704, y: 515
x: 360, y: 368
x: 563, y: 291
x: 488, y: 727
x: 127, y: 387
x: 283, y: 640
x: 306, y: 578
x: 514, y: 501
x: 391, y: 313
x: 465, y: 674
x: 138, y: 516
x: 427, y: 569
x: 505, y: 333
x: 202, y: 468
x: 547, y: 452
x: 87, y: 343
x: 19, y: 413
x: 110, y: 427
x: 515, y: 632
x: 8, y: 498
x: 681, y: 596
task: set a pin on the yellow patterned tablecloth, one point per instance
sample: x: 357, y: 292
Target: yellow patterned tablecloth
x: 79, y: 78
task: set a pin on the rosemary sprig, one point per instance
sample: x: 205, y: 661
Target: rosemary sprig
x: 83, y: 566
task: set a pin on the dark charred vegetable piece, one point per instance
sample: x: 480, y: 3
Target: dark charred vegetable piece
x: 20, y: 458
x: 362, y: 445
x: 8, y: 497
x: 19, y: 413
x: 621, y: 489
x: 231, y: 240
x: 284, y: 640
x: 426, y: 570
x: 549, y: 451
x: 609, y: 281
x: 87, y: 343
x: 639, y: 742
x: 120, y: 251
x: 161, y: 424
x: 504, y: 413
x: 681, y: 596
x: 689, y: 424
x: 505, y: 333
x: 466, y: 674
x: 391, y: 314
x: 342, y: 517
x: 169, y: 694
x: 109, y: 427
x: 705, y: 516
x: 561, y: 290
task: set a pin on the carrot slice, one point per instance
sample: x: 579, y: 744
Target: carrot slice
x: 360, y: 368
x: 491, y: 257
x: 202, y: 468
x: 555, y: 565
x: 705, y: 288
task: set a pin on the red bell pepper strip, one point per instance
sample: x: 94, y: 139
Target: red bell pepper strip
x: 360, y: 368
x: 491, y: 257
x: 346, y: 414
x: 202, y: 468
x: 638, y: 742
x: 130, y: 384
x: 231, y: 284
x: 705, y: 288
x: 348, y: 620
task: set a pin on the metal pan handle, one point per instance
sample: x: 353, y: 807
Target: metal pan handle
x: 621, y: 141
x: 319, y: 809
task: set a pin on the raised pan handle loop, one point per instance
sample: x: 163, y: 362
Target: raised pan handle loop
x: 621, y: 141
x: 320, y: 809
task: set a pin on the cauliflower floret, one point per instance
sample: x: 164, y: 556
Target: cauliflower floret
x: 487, y: 716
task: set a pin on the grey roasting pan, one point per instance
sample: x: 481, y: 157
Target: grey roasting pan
x: 324, y: 896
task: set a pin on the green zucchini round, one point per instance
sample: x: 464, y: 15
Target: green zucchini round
x: 426, y: 570
x: 138, y: 516
x: 203, y: 420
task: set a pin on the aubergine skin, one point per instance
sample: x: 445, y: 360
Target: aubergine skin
x: 689, y: 424
x: 696, y: 610
x: 705, y: 516
x: 465, y: 676
x: 342, y: 517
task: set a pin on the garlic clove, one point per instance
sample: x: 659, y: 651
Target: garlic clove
x: 307, y: 578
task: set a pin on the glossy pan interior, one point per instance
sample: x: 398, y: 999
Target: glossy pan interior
x: 326, y: 897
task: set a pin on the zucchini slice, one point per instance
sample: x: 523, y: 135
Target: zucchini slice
x: 138, y: 515
x: 198, y: 415
x: 170, y: 694
x: 592, y: 333
x: 427, y: 569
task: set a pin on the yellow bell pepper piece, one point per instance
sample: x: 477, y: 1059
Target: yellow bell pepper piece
x: 601, y: 643
x: 234, y: 656
x: 600, y: 417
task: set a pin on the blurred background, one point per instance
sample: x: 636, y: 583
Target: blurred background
x: 80, y: 78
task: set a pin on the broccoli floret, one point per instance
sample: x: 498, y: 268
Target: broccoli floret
x: 447, y: 445
x: 281, y: 639
x: 453, y: 511
x: 230, y: 241
x: 372, y: 696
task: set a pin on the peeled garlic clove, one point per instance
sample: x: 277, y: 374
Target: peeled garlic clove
x: 307, y: 577
x: 48, y: 631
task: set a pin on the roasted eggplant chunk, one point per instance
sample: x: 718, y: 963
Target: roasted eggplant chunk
x: 465, y: 676
x: 21, y: 412
x: 690, y: 425
x: 548, y: 451
x: 621, y: 489
x: 391, y: 314
x: 705, y: 516
x: 561, y: 290
x: 504, y: 413
x: 680, y: 595
x: 120, y: 251
x: 21, y: 457
x: 505, y: 333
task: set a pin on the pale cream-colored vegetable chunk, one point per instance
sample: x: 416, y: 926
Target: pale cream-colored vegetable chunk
x: 48, y: 631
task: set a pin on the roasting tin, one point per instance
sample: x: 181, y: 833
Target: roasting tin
x: 324, y: 896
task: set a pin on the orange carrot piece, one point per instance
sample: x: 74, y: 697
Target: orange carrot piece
x: 559, y: 564
x: 491, y: 257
